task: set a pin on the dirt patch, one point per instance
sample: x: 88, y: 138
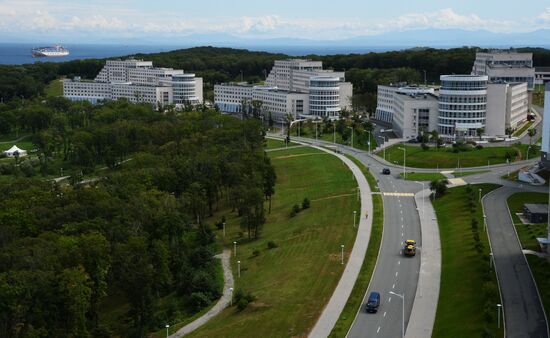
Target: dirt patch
x: 335, y: 196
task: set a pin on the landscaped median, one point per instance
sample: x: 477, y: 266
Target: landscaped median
x: 528, y: 233
x: 361, y: 284
x: 447, y: 157
x: 291, y: 280
x: 469, y: 289
x: 412, y: 176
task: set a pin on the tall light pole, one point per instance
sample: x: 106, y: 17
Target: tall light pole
x: 351, y: 136
x: 342, y: 247
x: 334, y: 133
x: 403, y: 312
x: 239, y: 269
x: 479, y: 195
x: 167, y: 327
x: 499, y: 306
x: 223, y: 229
x: 369, y: 140
x: 231, y: 296
x: 404, y: 161
x: 234, y: 249
x: 423, y: 197
x: 354, y: 214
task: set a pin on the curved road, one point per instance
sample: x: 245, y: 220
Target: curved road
x: 523, y: 311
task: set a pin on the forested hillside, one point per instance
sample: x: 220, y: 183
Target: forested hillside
x: 218, y: 65
x: 130, y: 237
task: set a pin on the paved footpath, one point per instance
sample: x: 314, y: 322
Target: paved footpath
x: 422, y: 319
x: 222, y: 303
x: 339, y: 298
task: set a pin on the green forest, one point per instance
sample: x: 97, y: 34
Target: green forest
x: 131, y: 228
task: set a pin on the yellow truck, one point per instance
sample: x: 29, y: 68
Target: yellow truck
x: 410, y: 247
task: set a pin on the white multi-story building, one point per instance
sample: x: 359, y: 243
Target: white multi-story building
x: 545, y: 146
x: 506, y: 66
x: 410, y: 109
x: 507, y: 107
x: 137, y: 81
x: 310, y: 91
x: 462, y: 105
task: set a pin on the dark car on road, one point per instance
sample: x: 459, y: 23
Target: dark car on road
x: 374, y: 302
x: 386, y: 171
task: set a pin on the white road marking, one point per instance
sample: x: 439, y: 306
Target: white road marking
x: 398, y: 262
x: 396, y: 273
x: 401, y: 226
x: 384, y: 313
x: 378, y: 330
x: 389, y: 299
x: 393, y: 286
x: 401, y: 234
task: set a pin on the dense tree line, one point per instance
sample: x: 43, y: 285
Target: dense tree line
x: 136, y: 232
x: 218, y: 65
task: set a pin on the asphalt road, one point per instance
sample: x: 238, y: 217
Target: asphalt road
x: 394, y: 272
x: 523, y: 310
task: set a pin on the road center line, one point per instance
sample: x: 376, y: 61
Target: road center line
x: 393, y: 286
x: 378, y: 330
x: 396, y: 273
x: 389, y: 299
x: 384, y: 313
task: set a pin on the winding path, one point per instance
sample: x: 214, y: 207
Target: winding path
x: 222, y: 303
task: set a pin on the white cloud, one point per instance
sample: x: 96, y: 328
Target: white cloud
x: 22, y: 16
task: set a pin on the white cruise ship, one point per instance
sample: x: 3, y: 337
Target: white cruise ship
x: 54, y: 51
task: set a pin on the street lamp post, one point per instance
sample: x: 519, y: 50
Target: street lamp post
x: 234, y: 249
x: 334, y: 133
x: 167, y: 327
x: 239, y: 269
x: 499, y: 306
x: 231, y: 296
x: 351, y: 136
x: 403, y: 311
x: 342, y: 247
x: 223, y: 229
x: 354, y: 214
x: 404, y: 161
x: 479, y: 195
x: 369, y: 140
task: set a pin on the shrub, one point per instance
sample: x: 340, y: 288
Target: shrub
x: 255, y: 253
x: 295, y: 210
x: 242, y: 304
x: 27, y: 169
x: 474, y: 223
x: 456, y: 151
x: 479, y: 147
x: 425, y: 147
x: 271, y: 245
x: 305, y: 203
x: 199, y: 300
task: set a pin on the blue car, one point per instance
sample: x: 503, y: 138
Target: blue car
x: 374, y: 302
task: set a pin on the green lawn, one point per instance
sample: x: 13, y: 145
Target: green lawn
x: 469, y: 173
x: 527, y: 236
x: 294, y: 281
x: 527, y: 233
x: 360, y: 141
x: 465, y: 274
x: 54, y: 88
x: 445, y: 158
x: 273, y: 144
x: 541, y: 272
x: 361, y: 284
x: 525, y: 126
x: 412, y: 176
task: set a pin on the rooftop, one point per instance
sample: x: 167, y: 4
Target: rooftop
x: 537, y: 208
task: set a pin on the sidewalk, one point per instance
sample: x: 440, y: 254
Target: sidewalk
x: 339, y: 298
x: 222, y: 303
x: 422, y: 319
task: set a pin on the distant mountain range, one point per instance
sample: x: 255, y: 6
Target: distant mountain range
x: 411, y: 38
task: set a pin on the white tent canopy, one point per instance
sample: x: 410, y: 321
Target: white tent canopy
x: 15, y: 150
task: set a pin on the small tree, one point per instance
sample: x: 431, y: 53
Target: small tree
x: 532, y: 132
x: 305, y: 203
x: 439, y: 187
x: 479, y: 132
x: 509, y: 131
x: 425, y: 147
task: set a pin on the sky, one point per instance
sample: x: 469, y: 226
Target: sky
x: 318, y: 20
